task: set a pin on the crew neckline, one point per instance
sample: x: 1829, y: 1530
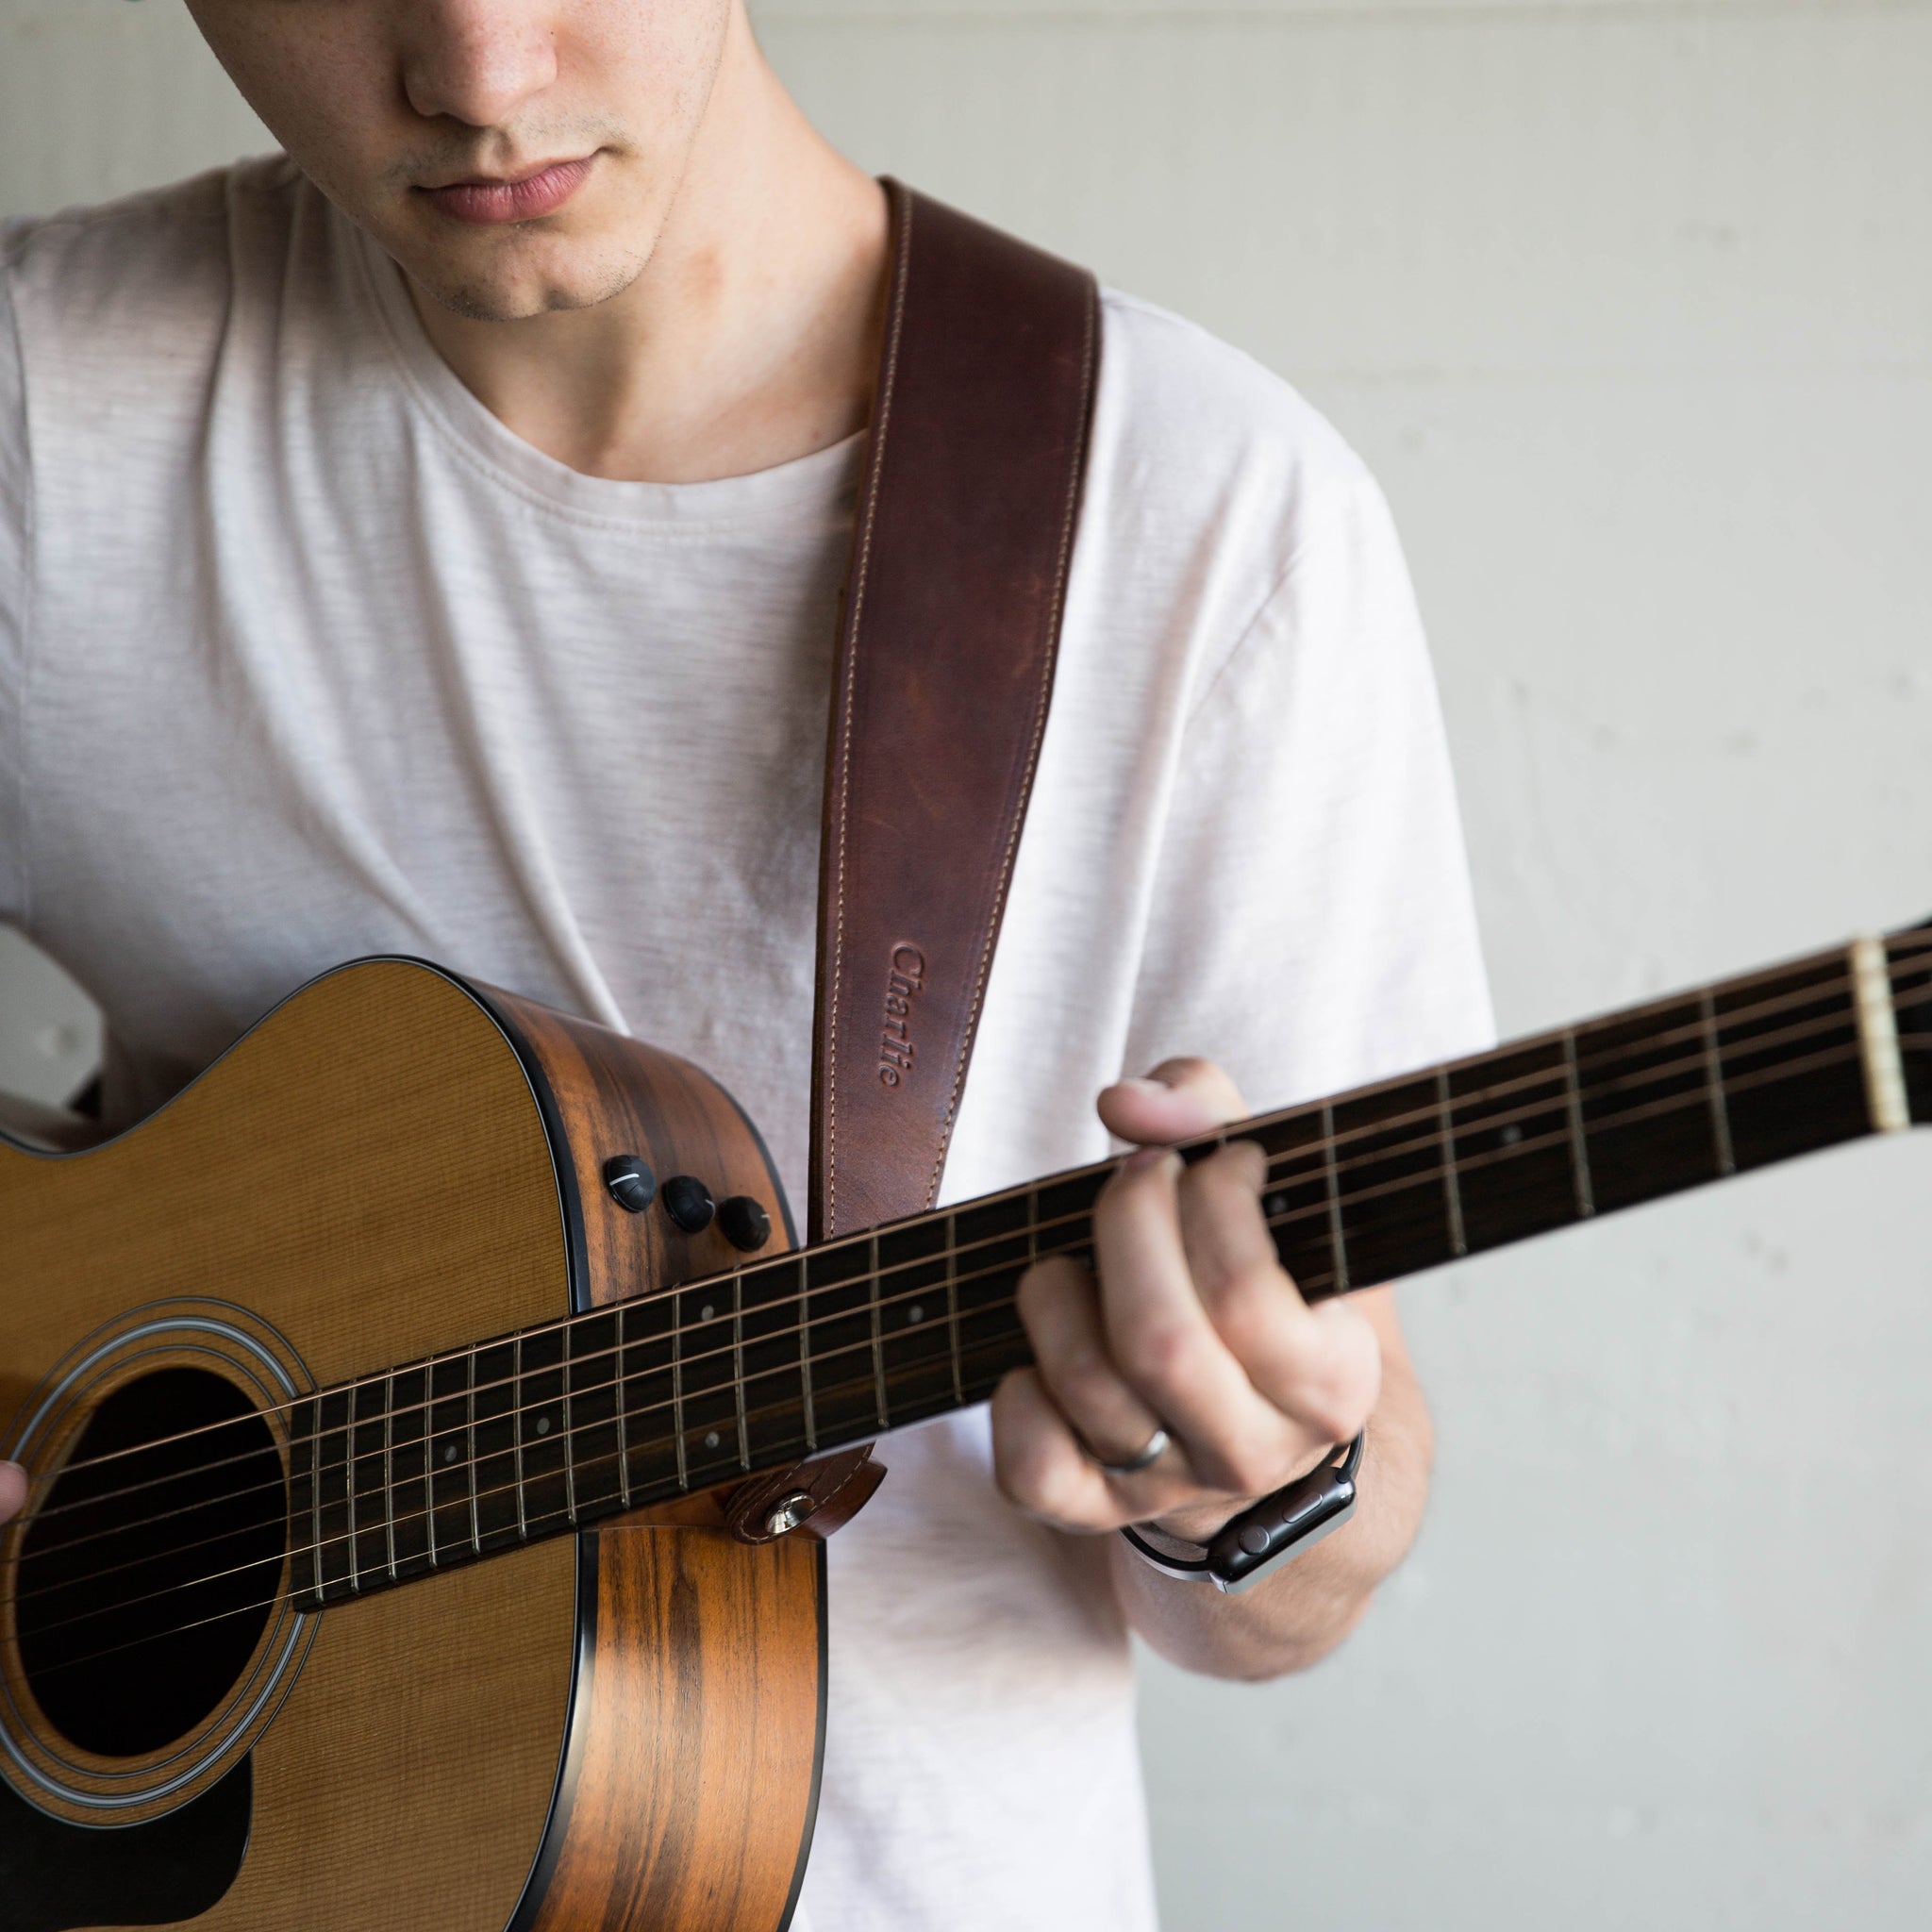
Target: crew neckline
x: 820, y: 481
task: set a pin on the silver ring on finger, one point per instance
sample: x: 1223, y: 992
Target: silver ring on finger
x: 1154, y: 1448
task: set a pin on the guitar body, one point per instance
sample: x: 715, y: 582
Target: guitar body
x: 618, y: 1729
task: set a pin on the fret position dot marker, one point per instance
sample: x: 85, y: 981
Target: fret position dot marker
x: 706, y: 1312
x: 1512, y: 1134
x: 449, y: 1455
x: 711, y: 1440
x: 542, y: 1424
x: 914, y: 1315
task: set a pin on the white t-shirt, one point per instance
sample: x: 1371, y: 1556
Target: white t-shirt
x: 303, y: 655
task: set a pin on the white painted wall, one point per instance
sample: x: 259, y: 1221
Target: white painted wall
x: 1630, y: 306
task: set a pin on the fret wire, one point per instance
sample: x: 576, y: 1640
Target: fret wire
x: 388, y: 1470
x: 430, y: 1465
x: 315, y: 1494
x: 737, y: 1362
x: 1579, y: 1154
x: 298, y: 1553
x: 804, y: 1305
x: 622, y: 1404
x: 1714, y: 1085
x: 570, y: 1463
x: 953, y: 1307
x: 470, y: 1407
x: 878, y: 1352
x: 1452, y: 1184
x: 1338, y: 1246
x: 349, y: 1490
x: 516, y: 1371
x: 429, y: 1456
x: 677, y: 1392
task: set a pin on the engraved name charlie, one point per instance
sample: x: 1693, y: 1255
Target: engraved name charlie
x: 904, y: 982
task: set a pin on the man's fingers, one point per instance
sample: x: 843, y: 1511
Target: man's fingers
x: 1040, y: 1464
x: 1319, y: 1366
x: 1177, y: 1101
x: 1060, y: 1304
x: 1159, y: 1336
x: 12, y: 1490
x: 1193, y: 1326
x: 1036, y: 1461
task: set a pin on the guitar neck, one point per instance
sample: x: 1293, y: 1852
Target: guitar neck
x: 688, y: 1388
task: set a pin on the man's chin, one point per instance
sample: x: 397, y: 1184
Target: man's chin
x: 486, y: 302
x: 512, y: 287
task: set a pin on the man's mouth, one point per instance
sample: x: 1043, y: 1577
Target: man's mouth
x: 485, y: 200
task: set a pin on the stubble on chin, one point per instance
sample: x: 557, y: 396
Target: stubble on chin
x: 519, y: 294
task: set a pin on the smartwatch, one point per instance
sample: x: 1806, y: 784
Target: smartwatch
x: 1260, y: 1540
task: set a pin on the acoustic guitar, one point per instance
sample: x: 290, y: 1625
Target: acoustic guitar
x: 398, y: 1396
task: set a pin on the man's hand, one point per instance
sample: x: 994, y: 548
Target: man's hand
x: 1189, y: 1323
x: 12, y: 1490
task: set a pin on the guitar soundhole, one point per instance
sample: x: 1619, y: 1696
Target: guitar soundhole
x: 150, y: 1571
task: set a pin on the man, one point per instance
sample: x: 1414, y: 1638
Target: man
x: 429, y: 544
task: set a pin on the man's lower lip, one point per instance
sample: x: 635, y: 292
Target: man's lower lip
x: 489, y: 201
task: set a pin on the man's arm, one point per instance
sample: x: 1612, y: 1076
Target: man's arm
x: 12, y: 1490
x: 1190, y: 1324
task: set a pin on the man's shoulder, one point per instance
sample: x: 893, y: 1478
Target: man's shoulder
x: 145, y: 269
x: 1214, y: 483
x: 172, y: 229
x: 1190, y: 404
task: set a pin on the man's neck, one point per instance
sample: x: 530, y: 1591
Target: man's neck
x: 749, y: 339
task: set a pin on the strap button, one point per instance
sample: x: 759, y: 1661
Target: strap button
x: 788, y: 1512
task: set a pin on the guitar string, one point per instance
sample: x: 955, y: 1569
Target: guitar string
x: 1315, y: 1152
x: 464, y: 1504
x: 1379, y: 1156
x: 466, y: 1501
x: 1430, y: 1178
x: 1811, y: 994
x: 358, y: 1456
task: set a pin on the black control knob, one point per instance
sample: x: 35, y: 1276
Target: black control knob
x: 689, y: 1202
x: 745, y: 1224
x: 631, y: 1183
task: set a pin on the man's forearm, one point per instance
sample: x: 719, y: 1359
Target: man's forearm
x: 1309, y: 1606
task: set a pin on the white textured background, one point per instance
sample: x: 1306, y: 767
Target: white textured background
x: 1630, y: 306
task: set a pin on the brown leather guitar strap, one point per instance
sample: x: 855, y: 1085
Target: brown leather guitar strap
x: 949, y: 625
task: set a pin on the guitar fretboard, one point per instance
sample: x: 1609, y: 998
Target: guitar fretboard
x: 536, y: 1433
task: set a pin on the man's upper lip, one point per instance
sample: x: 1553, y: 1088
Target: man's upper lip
x: 515, y: 181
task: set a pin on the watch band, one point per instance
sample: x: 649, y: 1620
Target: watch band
x: 1260, y: 1540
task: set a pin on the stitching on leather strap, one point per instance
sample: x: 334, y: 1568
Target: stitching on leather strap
x: 882, y: 410
x: 1069, y: 520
